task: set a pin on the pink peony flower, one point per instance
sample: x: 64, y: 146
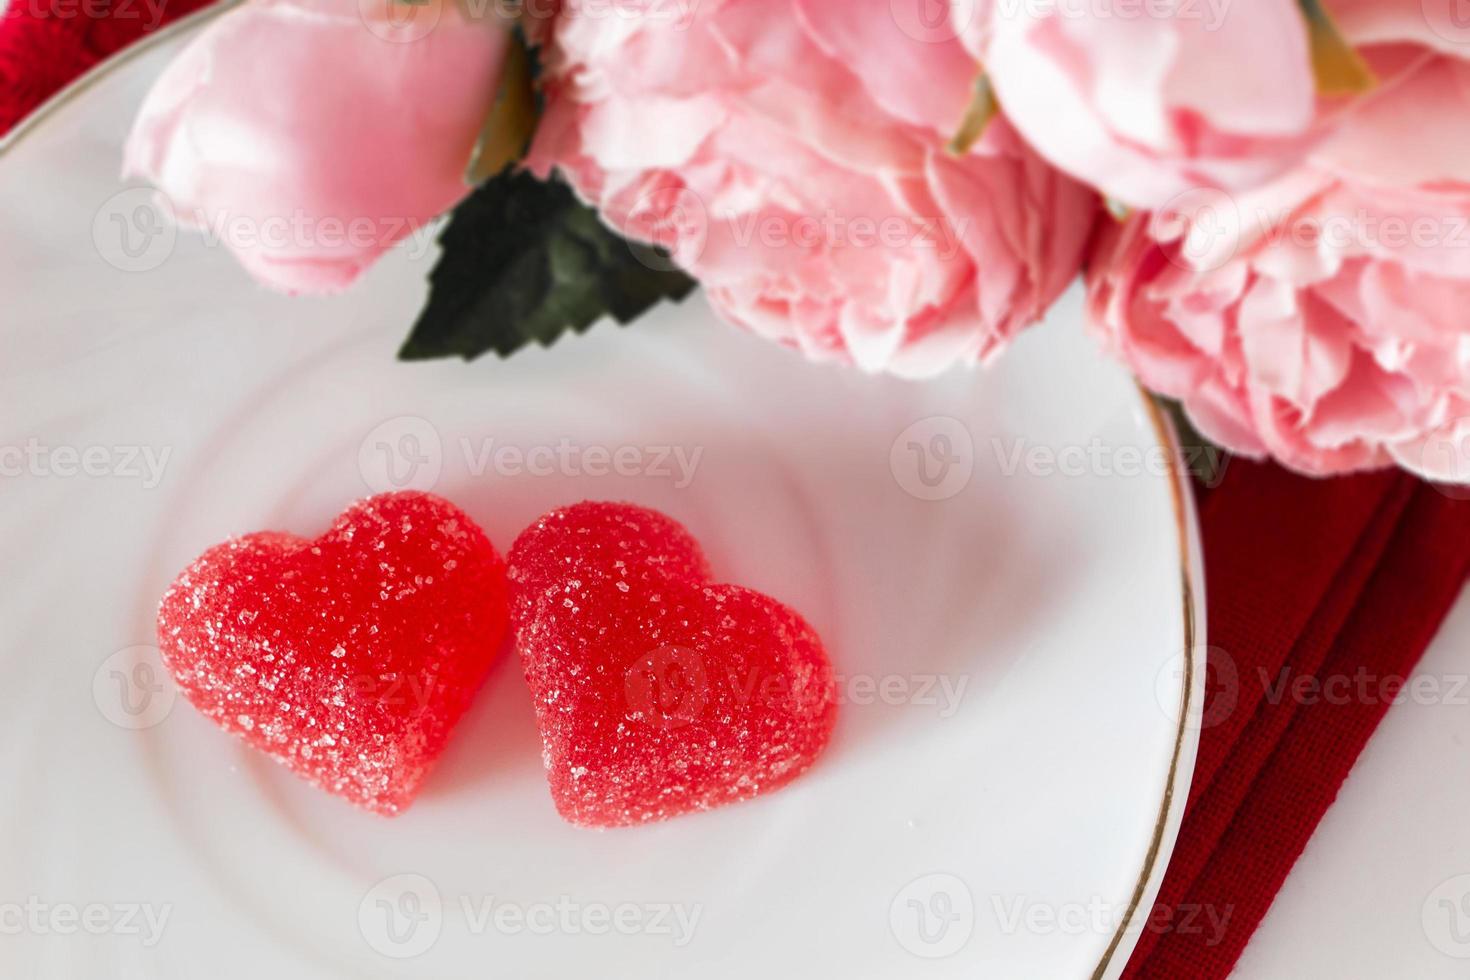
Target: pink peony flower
x: 1322, y: 319
x: 790, y: 154
x: 1146, y: 102
x: 310, y: 135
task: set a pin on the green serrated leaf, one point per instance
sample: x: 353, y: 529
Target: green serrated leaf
x: 525, y: 261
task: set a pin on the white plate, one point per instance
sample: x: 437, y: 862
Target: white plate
x: 1007, y: 832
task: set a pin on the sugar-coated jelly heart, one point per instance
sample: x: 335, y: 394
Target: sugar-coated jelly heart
x: 349, y: 657
x: 658, y: 692
x: 596, y: 539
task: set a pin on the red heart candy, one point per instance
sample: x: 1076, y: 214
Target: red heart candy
x: 596, y: 539
x: 657, y: 692
x: 350, y: 657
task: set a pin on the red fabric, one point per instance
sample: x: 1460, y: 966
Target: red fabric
x: 1310, y: 582
x: 1238, y: 687
x: 46, y: 43
x: 1317, y: 579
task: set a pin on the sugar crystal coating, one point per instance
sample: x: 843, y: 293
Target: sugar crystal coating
x: 622, y: 542
x: 658, y: 692
x: 349, y: 657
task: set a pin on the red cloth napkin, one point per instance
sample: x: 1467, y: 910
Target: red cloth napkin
x: 46, y: 43
x: 1332, y: 588
x: 1315, y: 579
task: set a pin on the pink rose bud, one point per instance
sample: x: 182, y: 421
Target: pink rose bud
x: 308, y: 136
